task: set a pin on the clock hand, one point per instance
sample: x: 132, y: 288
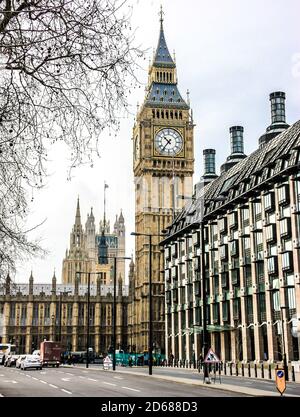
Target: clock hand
x: 168, y: 142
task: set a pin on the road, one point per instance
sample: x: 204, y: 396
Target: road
x: 80, y: 382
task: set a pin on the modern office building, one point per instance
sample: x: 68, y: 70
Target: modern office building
x: 233, y: 252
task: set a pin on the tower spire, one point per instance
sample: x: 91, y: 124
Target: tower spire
x: 78, y: 217
x: 162, y: 55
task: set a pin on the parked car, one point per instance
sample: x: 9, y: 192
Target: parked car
x: 31, y: 361
x: 19, y: 360
x: 11, y: 360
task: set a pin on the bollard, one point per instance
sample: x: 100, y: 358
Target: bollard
x: 249, y: 370
x: 255, y: 370
x: 243, y: 374
x: 225, y: 373
x: 180, y: 363
x: 293, y: 374
x: 237, y: 369
x: 270, y: 372
x: 230, y: 368
x: 262, y: 371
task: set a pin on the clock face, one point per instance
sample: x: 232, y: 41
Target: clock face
x: 168, y: 142
x: 136, y: 148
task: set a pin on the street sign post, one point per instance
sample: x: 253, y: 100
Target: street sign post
x: 280, y: 380
x: 107, y: 363
x: 212, y: 358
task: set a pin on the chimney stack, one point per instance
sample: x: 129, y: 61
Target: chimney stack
x: 237, y: 139
x: 209, y: 166
x: 277, y: 107
x: 237, y: 148
x: 278, y: 124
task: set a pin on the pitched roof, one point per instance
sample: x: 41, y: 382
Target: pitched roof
x: 165, y: 95
x: 273, y: 159
x: 162, y: 55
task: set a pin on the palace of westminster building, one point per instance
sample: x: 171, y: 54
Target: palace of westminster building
x: 228, y: 248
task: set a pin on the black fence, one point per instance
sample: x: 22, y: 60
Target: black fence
x: 260, y: 370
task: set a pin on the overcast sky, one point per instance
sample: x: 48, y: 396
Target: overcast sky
x: 230, y: 54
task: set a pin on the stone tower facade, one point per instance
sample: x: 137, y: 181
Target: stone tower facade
x: 163, y: 165
x: 85, y: 249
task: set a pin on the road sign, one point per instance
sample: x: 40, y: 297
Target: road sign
x: 211, y: 357
x: 107, y: 363
x: 280, y: 380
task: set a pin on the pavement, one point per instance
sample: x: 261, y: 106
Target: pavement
x: 77, y: 381
x: 231, y: 384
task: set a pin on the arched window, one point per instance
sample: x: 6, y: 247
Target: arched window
x: 176, y: 115
x: 162, y: 114
x: 180, y: 115
x: 153, y: 114
x: 171, y: 114
x: 167, y: 114
x: 164, y: 76
x: 157, y: 114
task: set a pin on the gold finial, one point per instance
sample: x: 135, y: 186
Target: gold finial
x: 174, y: 56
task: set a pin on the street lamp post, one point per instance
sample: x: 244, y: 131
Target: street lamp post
x: 203, y: 280
x: 204, y: 307
x: 150, y: 344
x: 88, y: 314
x: 285, y: 366
x: 59, y: 312
x: 115, y: 306
x: 88, y: 321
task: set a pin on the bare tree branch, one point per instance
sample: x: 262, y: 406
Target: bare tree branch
x: 67, y: 69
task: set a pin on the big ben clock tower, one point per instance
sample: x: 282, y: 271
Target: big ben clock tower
x: 163, y: 164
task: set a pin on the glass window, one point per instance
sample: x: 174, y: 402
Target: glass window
x: 291, y: 297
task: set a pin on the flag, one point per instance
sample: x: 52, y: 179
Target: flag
x: 105, y: 185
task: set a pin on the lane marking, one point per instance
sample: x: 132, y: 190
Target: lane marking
x: 1, y: 375
x: 65, y: 379
x: 132, y: 389
x: 43, y: 382
x: 118, y: 377
x: 109, y: 383
x: 9, y: 380
x: 68, y: 373
x: 64, y: 390
x: 53, y: 386
x: 91, y: 379
x: 28, y: 376
x: 83, y: 377
x: 35, y: 378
